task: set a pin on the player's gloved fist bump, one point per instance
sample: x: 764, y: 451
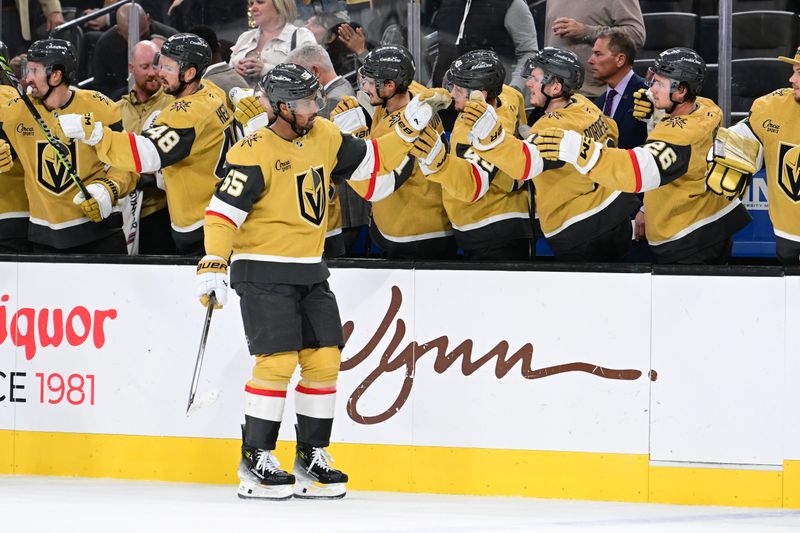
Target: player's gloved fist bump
x: 81, y: 127
x: 487, y: 131
x: 212, y: 276
x: 569, y: 146
x: 104, y: 196
x: 349, y: 117
x: 437, y: 98
x: 6, y: 162
x: 643, y: 107
x: 429, y: 150
x: 732, y: 160
x: 414, y: 118
x: 247, y: 108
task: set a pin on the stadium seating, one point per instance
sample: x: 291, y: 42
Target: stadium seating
x: 707, y: 40
x: 764, y: 33
x: 663, y: 6
x: 754, y: 77
x: 665, y: 30
x: 711, y: 84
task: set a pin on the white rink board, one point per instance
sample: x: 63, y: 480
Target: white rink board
x: 718, y: 398
x: 718, y: 344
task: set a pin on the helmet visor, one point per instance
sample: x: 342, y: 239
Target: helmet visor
x: 447, y: 81
x: 309, y: 105
x: 364, y: 82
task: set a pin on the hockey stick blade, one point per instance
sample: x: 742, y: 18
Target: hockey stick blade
x: 61, y: 151
x: 212, y: 301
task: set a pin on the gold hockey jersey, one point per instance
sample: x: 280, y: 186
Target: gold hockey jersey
x: 572, y: 209
x: 409, y: 220
x: 775, y: 122
x: 483, y: 204
x: 54, y: 219
x: 681, y: 215
x: 271, y: 210
x: 13, y: 200
x: 188, y: 143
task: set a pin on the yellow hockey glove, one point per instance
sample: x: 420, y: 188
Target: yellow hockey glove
x: 247, y: 108
x: 80, y: 127
x: 104, y: 196
x: 6, y: 161
x: 349, y: 116
x: 486, y: 129
x: 732, y: 160
x: 568, y: 146
x: 643, y: 107
x: 429, y: 150
x: 212, y: 276
x: 437, y: 98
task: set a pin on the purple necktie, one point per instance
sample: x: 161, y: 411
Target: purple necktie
x: 609, y: 102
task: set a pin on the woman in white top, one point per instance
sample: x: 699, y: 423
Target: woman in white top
x: 258, y: 50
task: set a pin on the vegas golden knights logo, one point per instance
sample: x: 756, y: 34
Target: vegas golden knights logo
x: 50, y: 173
x: 789, y: 171
x: 312, y: 195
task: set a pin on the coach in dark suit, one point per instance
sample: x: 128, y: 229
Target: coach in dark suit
x: 612, y: 62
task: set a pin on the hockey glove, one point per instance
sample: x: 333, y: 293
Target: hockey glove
x: 104, y: 196
x: 80, y: 127
x: 429, y: 150
x: 437, y: 98
x: 415, y: 117
x: 732, y: 160
x: 349, y: 116
x: 6, y: 161
x: 212, y: 276
x: 247, y: 108
x: 642, y: 105
x: 487, y: 131
x: 569, y: 146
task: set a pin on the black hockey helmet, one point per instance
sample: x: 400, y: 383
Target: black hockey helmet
x: 188, y: 50
x: 558, y: 63
x: 290, y: 83
x: 681, y: 65
x: 389, y: 62
x: 479, y: 69
x: 54, y: 54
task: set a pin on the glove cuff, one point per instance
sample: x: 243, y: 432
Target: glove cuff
x: 256, y: 123
x: 493, y: 140
x: 111, y: 186
x: 97, y: 134
x: 212, y: 263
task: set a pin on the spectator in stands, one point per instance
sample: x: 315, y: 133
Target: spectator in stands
x: 345, y: 41
x: 219, y: 72
x: 576, y: 26
x: 138, y: 108
x: 353, y: 208
x: 110, y: 72
x: 503, y: 26
x: 308, y: 8
x: 16, y: 23
x: 260, y: 49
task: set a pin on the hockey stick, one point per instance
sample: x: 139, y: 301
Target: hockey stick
x: 212, y: 301
x: 58, y: 146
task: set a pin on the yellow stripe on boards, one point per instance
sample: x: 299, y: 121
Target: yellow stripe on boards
x: 443, y: 470
x: 716, y: 486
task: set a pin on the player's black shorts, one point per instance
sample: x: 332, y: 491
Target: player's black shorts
x: 284, y: 318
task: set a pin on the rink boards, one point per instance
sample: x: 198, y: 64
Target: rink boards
x: 613, y: 386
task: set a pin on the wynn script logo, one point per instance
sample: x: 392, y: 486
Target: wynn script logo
x: 403, y: 359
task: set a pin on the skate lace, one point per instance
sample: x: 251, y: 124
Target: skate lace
x: 320, y: 457
x: 266, y: 462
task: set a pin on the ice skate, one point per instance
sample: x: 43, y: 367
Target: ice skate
x: 316, y: 479
x: 260, y: 476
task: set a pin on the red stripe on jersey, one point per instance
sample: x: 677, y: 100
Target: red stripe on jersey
x: 306, y: 390
x: 478, y: 183
x: 135, y: 151
x: 373, y: 178
x: 265, y: 392
x: 636, y: 170
x: 220, y: 215
x: 527, y: 152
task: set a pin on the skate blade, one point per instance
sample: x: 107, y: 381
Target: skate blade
x: 249, y: 491
x: 318, y: 491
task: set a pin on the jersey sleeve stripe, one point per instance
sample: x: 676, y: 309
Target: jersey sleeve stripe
x: 135, y: 151
x: 316, y: 391
x: 478, y: 185
x: 527, y: 152
x: 376, y: 165
x: 265, y: 392
x: 225, y: 211
x: 637, y: 172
